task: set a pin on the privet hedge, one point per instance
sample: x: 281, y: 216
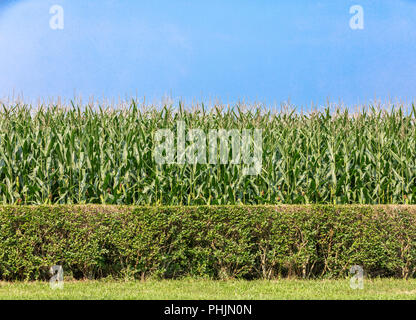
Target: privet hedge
x: 221, y: 242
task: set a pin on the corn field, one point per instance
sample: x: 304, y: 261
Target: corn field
x: 80, y: 154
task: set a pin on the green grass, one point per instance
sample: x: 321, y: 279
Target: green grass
x: 207, y: 289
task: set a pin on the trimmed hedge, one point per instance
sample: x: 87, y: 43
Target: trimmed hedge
x: 217, y: 242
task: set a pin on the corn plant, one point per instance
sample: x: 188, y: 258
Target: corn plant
x: 81, y: 154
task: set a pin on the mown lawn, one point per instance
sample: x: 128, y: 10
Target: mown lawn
x: 206, y: 289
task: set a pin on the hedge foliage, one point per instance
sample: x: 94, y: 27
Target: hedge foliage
x: 218, y: 242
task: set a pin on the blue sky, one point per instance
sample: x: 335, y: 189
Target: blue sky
x: 265, y: 50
